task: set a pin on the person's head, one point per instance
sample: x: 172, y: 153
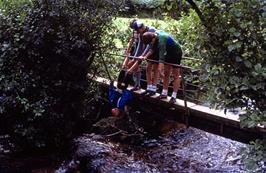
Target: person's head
x: 149, y: 37
x: 137, y: 26
x: 116, y: 112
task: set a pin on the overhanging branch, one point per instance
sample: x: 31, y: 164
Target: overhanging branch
x: 197, y: 10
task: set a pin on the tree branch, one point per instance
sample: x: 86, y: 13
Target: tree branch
x: 197, y: 10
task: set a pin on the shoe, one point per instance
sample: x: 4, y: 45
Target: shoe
x: 144, y: 92
x: 150, y: 93
x: 161, y: 96
x: 172, y: 100
x: 135, y: 89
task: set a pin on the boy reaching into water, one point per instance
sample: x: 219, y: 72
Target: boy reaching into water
x: 138, y: 49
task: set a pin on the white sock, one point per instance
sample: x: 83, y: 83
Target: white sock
x: 164, y: 92
x: 149, y: 87
x: 153, y: 88
x: 174, y: 94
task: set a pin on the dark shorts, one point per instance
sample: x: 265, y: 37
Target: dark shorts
x: 174, y: 56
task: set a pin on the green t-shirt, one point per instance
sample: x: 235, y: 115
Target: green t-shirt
x: 166, y: 45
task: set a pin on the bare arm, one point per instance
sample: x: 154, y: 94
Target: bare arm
x: 127, y: 52
x: 140, y: 58
x: 149, y: 53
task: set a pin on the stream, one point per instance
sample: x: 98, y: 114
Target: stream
x: 175, y: 150
x: 183, y: 151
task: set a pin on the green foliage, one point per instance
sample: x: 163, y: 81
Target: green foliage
x: 175, y: 8
x: 147, y: 3
x: 185, y: 30
x: 44, y: 61
x: 255, y: 156
x: 234, y: 54
x: 155, y: 8
x: 7, y: 5
x: 122, y: 31
x: 235, y: 66
x: 15, y: 6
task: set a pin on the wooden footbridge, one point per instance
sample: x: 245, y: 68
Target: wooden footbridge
x: 198, y: 116
x: 191, y: 112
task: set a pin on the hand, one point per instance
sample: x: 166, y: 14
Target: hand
x: 130, y: 71
x: 124, y: 66
x: 142, y: 58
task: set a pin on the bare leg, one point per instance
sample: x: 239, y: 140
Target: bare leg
x: 176, y: 73
x: 155, y: 74
x: 167, y: 70
x: 148, y: 73
x: 137, y: 76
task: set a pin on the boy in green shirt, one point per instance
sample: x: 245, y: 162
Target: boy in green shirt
x: 170, y: 54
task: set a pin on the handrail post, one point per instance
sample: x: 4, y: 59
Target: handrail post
x: 185, y: 96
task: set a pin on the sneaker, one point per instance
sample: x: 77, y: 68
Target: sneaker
x: 144, y: 92
x: 172, y: 100
x: 161, y: 96
x: 135, y: 89
x: 150, y: 93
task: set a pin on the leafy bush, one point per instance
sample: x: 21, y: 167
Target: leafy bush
x: 255, y: 156
x: 44, y: 60
x: 235, y: 53
x: 155, y: 8
x: 147, y: 3
x: 7, y: 5
x: 235, y: 66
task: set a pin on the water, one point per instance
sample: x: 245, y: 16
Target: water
x: 189, y: 150
x: 176, y: 150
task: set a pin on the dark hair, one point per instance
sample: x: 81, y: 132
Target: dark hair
x: 147, y: 37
